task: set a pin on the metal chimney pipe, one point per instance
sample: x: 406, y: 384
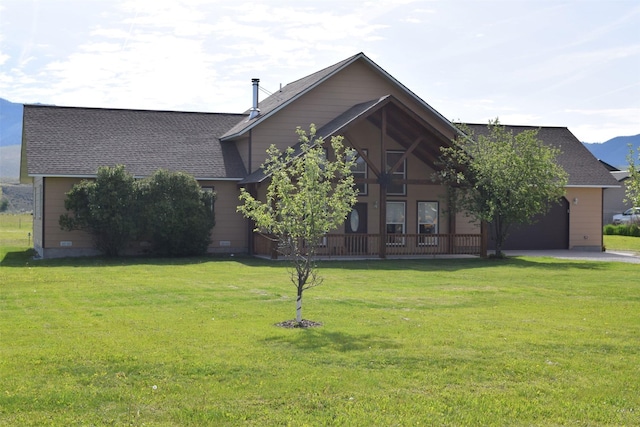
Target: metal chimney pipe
x: 255, y: 111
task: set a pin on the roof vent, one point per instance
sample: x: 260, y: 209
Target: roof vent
x: 255, y: 111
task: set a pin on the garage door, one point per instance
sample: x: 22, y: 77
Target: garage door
x: 550, y: 231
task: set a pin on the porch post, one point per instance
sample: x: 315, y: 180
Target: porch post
x: 383, y: 186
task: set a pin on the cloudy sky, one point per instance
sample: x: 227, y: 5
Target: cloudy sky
x: 572, y: 63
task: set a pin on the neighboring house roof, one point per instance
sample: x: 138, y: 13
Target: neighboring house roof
x: 71, y: 141
x: 620, y: 175
x: 609, y: 167
x: 583, y: 168
x: 298, y: 88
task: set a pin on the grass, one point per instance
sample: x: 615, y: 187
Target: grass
x: 156, y: 342
x: 622, y: 243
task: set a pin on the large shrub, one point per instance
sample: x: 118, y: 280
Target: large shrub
x: 177, y: 215
x: 105, y: 208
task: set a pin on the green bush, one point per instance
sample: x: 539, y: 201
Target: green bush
x: 105, y: 207
x: 632, y: 230
x: 176, y: 214
x: 169, y: 208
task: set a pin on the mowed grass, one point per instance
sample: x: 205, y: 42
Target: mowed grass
x: 622, y: 243
x: 157, y: 342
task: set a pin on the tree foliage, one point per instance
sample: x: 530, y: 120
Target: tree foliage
x: 104, y: 207
x: 169, y: 208
x: 176, y: 214
x: 632, y: 184
x: 503, y: 179
x: 308, y: 196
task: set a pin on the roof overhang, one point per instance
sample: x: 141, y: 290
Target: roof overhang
x: 592, y: 186
x: 402, y: 124
x: 135, y: 177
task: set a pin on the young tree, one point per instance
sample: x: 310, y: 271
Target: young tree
x: 105, y: 207
x: 502, y: 178
x: 308, y: 196
x: 176, y: 214
x: 632, y: 184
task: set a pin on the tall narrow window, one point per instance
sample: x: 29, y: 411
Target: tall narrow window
x: 360, y: 172
x: 209, y: 190
x: 427, y: 222
x: 395, y: 223
x: 395, y: 188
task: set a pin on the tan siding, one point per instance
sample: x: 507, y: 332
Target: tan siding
x: 231, y: 227
x: 466, y: 225
x: 55, y: 189
x: 585, y: 218
x: 355, y: 84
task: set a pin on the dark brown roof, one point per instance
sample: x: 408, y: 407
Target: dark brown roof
x: 583, y: 168
x: 70, y: 141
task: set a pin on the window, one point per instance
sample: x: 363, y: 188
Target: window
x: 396, y: 189
x: 395, y: 223
x: 427, y: 222
x: 210, y: 190
x: 360, y: 172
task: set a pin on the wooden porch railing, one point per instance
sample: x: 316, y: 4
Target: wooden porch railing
x: 368, y: 245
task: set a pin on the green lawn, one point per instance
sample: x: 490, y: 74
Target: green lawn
x: 622, y: 243
x: 154, y: 342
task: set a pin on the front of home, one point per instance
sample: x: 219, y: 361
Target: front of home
x: 401, y: 209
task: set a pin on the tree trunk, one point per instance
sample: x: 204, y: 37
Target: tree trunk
x: 299, y: 306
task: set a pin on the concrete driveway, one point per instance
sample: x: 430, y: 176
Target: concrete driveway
x: 617, y: 256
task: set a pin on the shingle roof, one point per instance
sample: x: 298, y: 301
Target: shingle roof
x: 583, y: 168
x: 71, y: 141
x: 285, y: 95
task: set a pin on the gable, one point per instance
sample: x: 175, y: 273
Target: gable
x: 333, y: 90
x: 68, y: 141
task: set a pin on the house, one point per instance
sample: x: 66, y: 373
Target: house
x: 401, y: 210
x: 614, y: 198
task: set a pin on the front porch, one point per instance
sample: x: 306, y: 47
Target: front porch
x: 371, y: 245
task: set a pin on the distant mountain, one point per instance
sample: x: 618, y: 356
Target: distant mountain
x: 10, y: 123
x: 10, y: 138
x: 615, y: 150
x: 9, y: 162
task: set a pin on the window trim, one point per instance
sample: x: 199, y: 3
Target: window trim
x: 427, y: 239
x: 366, y: 172
x: 397, y: 240
x: 404, y: 171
